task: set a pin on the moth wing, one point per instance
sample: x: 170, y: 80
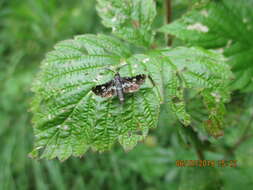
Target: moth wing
x: 132, y: 84
x: 105, y: 90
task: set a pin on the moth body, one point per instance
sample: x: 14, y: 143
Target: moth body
x: 118, y: 86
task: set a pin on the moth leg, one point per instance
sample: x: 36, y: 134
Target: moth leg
x: 151, y: 80
x: 161, y: 92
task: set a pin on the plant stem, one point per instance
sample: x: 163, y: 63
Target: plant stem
x: 168, y: 19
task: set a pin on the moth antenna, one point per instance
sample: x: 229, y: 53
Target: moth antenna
x: 117, y: 69
x: 108, y: 69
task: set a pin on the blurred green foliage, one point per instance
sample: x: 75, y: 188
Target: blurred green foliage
x: 229, y: 30
x: 28, y: 29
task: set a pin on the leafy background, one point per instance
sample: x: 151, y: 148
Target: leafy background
x: 29, y: 29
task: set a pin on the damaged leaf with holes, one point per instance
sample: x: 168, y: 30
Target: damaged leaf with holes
x: 202, y: 71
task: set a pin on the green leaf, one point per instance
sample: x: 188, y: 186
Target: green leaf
x: 202, y: 71
x: 129, y: 19
x: 69, y: 118
x: 225, y: 26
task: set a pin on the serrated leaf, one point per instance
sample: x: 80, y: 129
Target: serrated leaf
x: 129, y: 19
x: 69, y: 118
x: 225, y: 26
x: 128, y: 141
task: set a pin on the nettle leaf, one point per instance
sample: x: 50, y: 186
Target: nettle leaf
x: 129, y: 19
x: 226, y: 26
x: 70, y: 119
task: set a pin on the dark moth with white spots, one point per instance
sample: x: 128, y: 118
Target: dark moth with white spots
x: 119, y: 85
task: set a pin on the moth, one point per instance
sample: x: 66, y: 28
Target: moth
x: 118, y: 86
